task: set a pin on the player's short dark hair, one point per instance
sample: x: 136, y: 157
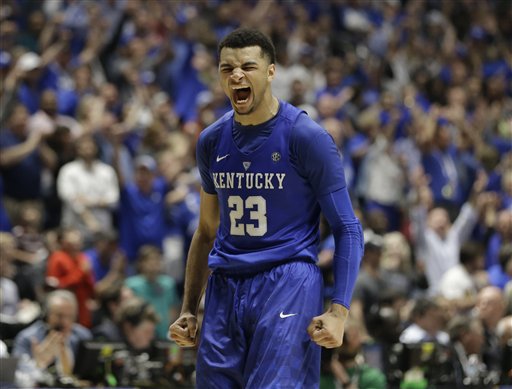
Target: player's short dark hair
x: 247, y: 37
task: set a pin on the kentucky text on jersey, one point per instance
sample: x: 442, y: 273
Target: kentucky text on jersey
x: 223, y: 180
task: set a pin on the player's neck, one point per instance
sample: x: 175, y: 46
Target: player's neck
x: 267, y: 109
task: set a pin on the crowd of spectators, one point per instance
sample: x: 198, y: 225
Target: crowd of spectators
x: 101, y: 105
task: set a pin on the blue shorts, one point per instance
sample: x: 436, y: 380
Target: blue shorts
x: 254, y: 331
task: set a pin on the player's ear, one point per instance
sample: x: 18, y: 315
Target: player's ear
x: 271, y: 72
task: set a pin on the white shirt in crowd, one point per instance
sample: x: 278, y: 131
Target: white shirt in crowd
x: 440, y: 255
x: 95, y: 189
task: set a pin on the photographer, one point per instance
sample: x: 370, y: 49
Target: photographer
x: 135, y: 325
x: 467, y: 338
x: 427, y: 322
x: 51, y: 343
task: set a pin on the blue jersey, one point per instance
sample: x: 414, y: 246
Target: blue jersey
x: 269, y: 212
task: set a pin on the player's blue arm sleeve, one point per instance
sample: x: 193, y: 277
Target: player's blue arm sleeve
x: 349, y: 243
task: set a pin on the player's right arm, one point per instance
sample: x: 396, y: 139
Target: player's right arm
x: 184, y: 330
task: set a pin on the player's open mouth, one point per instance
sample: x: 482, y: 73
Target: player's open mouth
x: 241, y: 95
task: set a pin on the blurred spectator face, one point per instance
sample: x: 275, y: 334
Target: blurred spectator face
x: 202, y: 60
x: 49, y: 102
x: 18, y: 120
x: 496, y: 87
x: 65, y: 55
x: 137, y: 48
x: 155, y: 137
x: 333, y: 77
x: 504, y: 223
x: 170, y: 165
x: 478, y: 263
x: 463, y: 141
x: 298, y: 87
x: 387, y: 101
x: 334, y: 72
x: 459, y: 73
x: 489, y: 158
x: 161, y: 104
x: 30, y: 219
x: 86, y: 149
x: 32, y: 76
x: 126, y: 294
x: 144, y: 178
x: 473, y: 340
x: 506, y: 183
x: 396, y: 252
x: 443, y: 137
x: 106, y: 247
x: 62, y: 139
x: 7, y: 245
x: 439, y: 221
x: 504, y: 330
x: 457, y: 96
x: 71, y: 241
x: 151, y: 266
x: 474, y: 88
x: 377, y: 221
x: 82, y: 78
x: 142, y: 21
x: 335, y: 128
x: 140, y: 336
x: 108, y: 124
x: 8, y: 31
x: 62, y: 314
x: 432, y: 321
x: 372, y: 255
x: 327, y: 106
x: 490, y: 305
x: 110, y: 94
x: 36, y: 21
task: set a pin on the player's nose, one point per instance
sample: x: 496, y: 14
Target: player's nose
x: 237, y: 74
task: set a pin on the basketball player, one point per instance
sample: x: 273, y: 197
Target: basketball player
x: 267, y: 171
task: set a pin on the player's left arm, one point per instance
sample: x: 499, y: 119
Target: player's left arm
x: 316, y: 157
x: 327, y: 329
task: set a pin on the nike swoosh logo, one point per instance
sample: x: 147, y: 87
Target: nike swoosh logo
x: 221, y: 158
x: 283, y: 315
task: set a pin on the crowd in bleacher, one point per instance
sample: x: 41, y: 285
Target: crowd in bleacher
x: 102, y: 103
